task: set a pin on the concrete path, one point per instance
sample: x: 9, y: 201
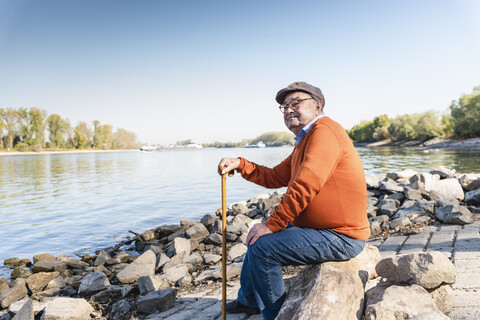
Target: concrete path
x: 460, y: 243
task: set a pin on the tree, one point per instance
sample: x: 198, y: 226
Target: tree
x: 79, y: 140
x: 466, y: 115
x: 2, y: 125
x: 8, y: 116
x: 83, y: 128
x: 56, y: 127
x: 275, y: 139
x: 427, y: 126
x: 123, y: 139
x: 35, y: 133
x: 402, y: 127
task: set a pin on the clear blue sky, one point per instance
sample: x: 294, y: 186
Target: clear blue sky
x: 209, y: 70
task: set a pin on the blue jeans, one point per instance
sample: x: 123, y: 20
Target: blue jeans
x: 261, y: 279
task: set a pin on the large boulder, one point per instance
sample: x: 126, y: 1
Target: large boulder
x: 198, y: 232
x: 157, y: 301
x: 391, y: 302
x: 180, y: 246
x: 428, y: 269
x: 15, y: 293
x: 26, y: 312
x: 454, y: 214
x: 470, y: 181
x: 473, y: 197
x: 67, y: 309
x: 92, y: 283
x: 236, y: 251
x: 142, y: 266
x: 148, y: 284
x: 335, y: 286
x: 448, y: 188
x: 38, y: 281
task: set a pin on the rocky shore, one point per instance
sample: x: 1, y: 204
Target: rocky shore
x: 144, y: 277
x: 434, y: 143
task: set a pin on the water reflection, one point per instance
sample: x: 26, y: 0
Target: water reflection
x: 81, y: 202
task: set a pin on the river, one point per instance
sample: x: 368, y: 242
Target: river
x: 77, y: 203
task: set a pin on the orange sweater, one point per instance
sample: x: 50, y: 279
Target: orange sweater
x: 325, y: 180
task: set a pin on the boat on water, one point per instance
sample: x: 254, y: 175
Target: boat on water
x: 190, y: 146
x: 259, y: 144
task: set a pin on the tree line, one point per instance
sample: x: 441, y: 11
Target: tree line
x: 462, y: 121
x: 33, y: 129
x: 271, y: 139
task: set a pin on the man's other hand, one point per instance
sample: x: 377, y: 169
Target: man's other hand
x: 258, y: 230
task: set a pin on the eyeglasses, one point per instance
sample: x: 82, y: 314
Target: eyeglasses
x: 295, y: 104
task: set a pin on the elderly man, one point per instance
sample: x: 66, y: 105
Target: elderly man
x: 322, y: 216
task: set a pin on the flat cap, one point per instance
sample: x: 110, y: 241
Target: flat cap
x: 315, y: 92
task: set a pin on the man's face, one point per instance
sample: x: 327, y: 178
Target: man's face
x: 307, y: 110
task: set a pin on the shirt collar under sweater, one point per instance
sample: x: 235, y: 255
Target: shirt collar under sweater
x: 305, y: 129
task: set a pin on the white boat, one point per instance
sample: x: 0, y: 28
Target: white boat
x: 148, y: 148
x: 259, y: 144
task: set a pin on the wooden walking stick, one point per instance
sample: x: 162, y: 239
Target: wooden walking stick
x: 224, y: 242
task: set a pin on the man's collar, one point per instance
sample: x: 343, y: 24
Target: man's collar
x: 305, y: 129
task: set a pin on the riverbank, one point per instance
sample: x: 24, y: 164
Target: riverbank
x: 435, y: 143
x: 43, y: 152
x: 184, y: 260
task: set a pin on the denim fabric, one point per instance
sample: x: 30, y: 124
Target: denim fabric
x: 261, y: 279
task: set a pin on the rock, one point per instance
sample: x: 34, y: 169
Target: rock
x: 15, y: 293
x: 233, y: 271
x: 444, y: 297
x: 447, y: 188
x: 92, y: 283
x: 194, y: 259
x: 433, y: 315
x: 142, y: 266
x: 240, y: 208
x: 157, y: 301
x: 335, y: 286
x: 180, y: 246
x: 239, y: 219
x: 26, y: 312
x: 406, y: 174
x: 473, y: 197
x: 43, y: 256
x: 400, y: 222
x: 388, y: 207
x: 101, y: 258
x: 62, y: 308
x: 120, y: 307
x: 443, y: 172
x: 413, y: 209
x: 15, y: 307
x: 412, y: 194
x: 180, y: 233
x: 470, y: 182
x: 390, y: 186
x: 176, y: 273
x: 148, y: 235
x: 58, y: 282
x: 211, y: 258
x: 185, y: 223
x: 373, y: 182
x: 266, y: 205
x: 389, y: 302
x: 49, y: 265
x: 38, y: 281
x: 198, y: 232
x: 428, y: 269
x: 236, y: 251
x: 4, y: 284
x: 17, y: 262
x: 207, y: 220
x: 148, y: 284
x: 214, y: 238
x: 76, y: 264
x: 454, y: 215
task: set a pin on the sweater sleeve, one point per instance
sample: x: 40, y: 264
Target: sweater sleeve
x: 321, y: 155
x: 275, y: 177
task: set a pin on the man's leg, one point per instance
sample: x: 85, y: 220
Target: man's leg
x: 262, y: 267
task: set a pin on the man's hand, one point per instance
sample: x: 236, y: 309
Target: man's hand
x: 258, y: 230
x: 229, y: 164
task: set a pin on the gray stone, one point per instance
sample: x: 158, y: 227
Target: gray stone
x: 58, y: 282
x: 157, y: 301
x: 443, y: 172
x: 406, y: 174
x: 390, y: 186
x: 444, y: 298
x: 180, y: 246
x: 240, y: 208
x: 392, y: 302
x: 400, y: 222
x: 194, y: 259
x: 233, y: 271
x: 101, y: 258
x: 62, y: 308
x: 211, y: 258
x: 237, y: 229
x: 15, y: 293
x: 148, y: 235
x: 412, y: 194
x: 49, y: 265
x: 185, y: 223
x: 331, y: 290
x: 92, y: 283
x: 121, y: 306
x: 207, y: 220
x: 142, y: 266
x: 4, y: 284
x: 198, y: 232
x: 454, y: 215
x: 447, y: 188
x: 15, y: 307
x: 26, y: 312
x: 214, y: 238
x: 176, y: 273
x: 148, y: 284
x: 428, y: 269
x: 470, y: 181
x: 432, y: 315
x: 38, y: 281
x: 266, y: 205
x: 388, y: 207
x: 75, y: 263
x: 373, y: 182
x: 180, y: 233
x: 473, y: 197
x: 240, y: 219
x: 162, y: 259
x: 43, y: 256
x: 236, y: 251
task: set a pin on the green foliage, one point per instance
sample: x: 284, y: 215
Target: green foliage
x: 79, y: 140
x: 376, y: 129
x: 123, y: 139
x: 57, y: 127
x: 466, y: 115
x: 275, y: 139
x: 183, y: 142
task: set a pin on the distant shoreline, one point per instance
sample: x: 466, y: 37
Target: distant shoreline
x: 44, y: 152
x: 472, y: 144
